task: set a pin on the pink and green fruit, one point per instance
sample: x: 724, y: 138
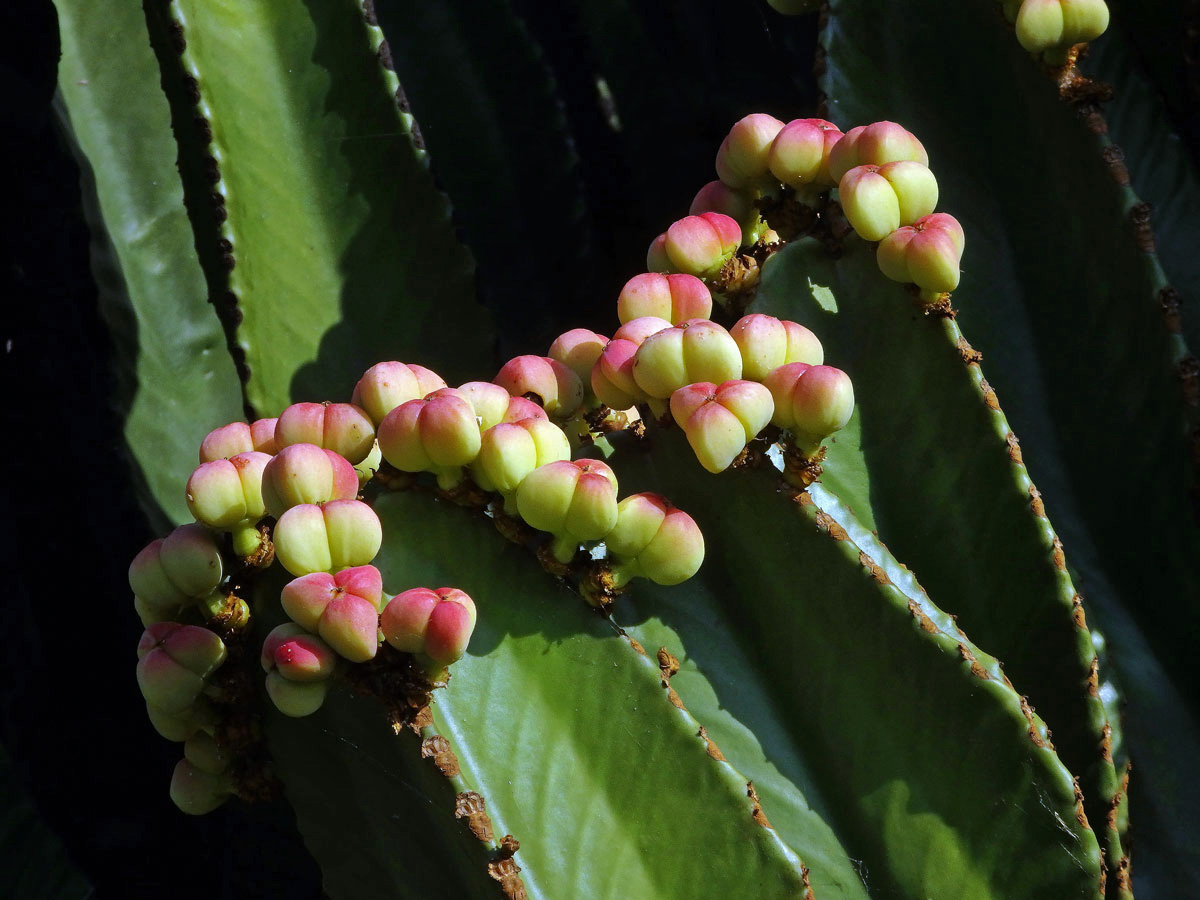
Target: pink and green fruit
x: 306, y: 473
x: 238, y: 437
x: 386, y: 385
x: 336, y: 535
x: 172, y: 572
x: 653, y: 539
x: 296, y: 654
x: 799, y: 155
x: 575, y: 501
x: 692, y: 351
x: 875, y: 145
x: 927, y: 253
x: 672, y: 298
x: 174, y: 663
x: 766, y: 343
x: 438, y: 434
x: 812, y: 402
x: 436, y: 625
x: 343, y: 609
x: 341, y: 427
x: 742, y: 156
x: 554, y: 384
x: 879, y: 199
x: 719, y: 421
x: 227, y: 492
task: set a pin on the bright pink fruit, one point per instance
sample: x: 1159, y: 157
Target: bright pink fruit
x: 343, y: 609
x: 296, y: 654
x: 436, y: 624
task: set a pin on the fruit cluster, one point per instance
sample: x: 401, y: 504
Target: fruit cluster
x: 881, y: 173
x: 297, y: 489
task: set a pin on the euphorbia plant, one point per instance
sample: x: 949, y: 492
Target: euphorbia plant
x: 721, y: 480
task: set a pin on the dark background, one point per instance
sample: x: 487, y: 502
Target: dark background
x: 71, y: 717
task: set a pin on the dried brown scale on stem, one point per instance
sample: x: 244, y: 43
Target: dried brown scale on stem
x: 1114, y: 158
x: 800, y: 470
x: 756, y: 810
x: 941, y: 308
x: 1143, y: 231
x: 976, y: 669
x: 710, y: 746
x: 737, y: 282
x: 1080, y: 815
x: 437, y: 748
x: 969, y: 354
x: 1170, y: 301
x: 1189, y: 379
x: 874, y: 568
x: 1035, y: 502
x: 1014, y: 448
x: 989, y: 395
x: 1027, y: 711
x: 471, y: 806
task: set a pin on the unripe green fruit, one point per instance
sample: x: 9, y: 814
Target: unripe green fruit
x: 174, y: 661
x: 201, y: 751
x: 693, y: 351
x: 742, y: 157
x: 767, y: 343
x: 435, y: 624
x: 573, y: 500
x: 799, y: 155
x: 172, y: 572
x: 558, y: 388
x: 181, y: 725
x: 672, y: 298
x: 296, y: 698
x: 489, y: 400
x: 197, y: 792
x: 869, y: 202
x: 654, y: 539
x: 340, y: 534
x: 386, y: 385
x: 341, y: 427
x: 875, y: 145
